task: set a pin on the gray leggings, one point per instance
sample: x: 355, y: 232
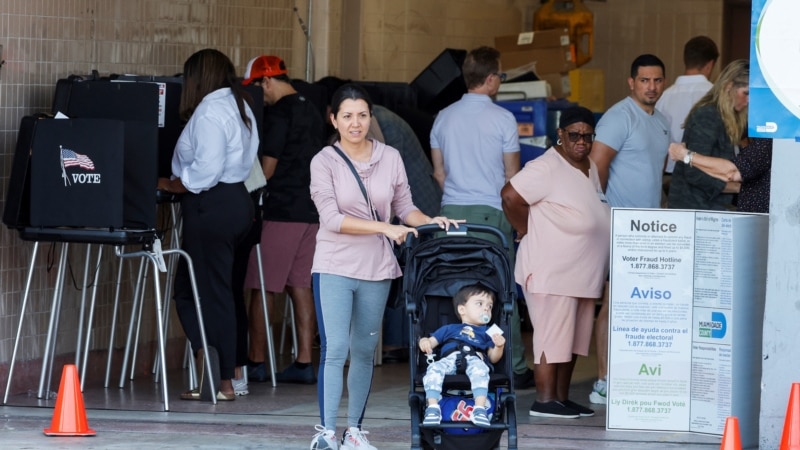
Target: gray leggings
x: 349, y: 313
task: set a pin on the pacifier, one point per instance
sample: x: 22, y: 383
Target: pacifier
x: 485, y: 318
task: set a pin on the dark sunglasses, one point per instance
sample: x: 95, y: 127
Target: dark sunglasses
x: 573, y: 137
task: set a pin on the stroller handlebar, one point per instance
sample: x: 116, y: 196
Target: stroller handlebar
x: 462, y: 230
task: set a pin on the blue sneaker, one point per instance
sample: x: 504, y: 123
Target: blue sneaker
x: 257, y: 372
x: 294, y: 374
x: 479, y: 417
x: 433, y: 416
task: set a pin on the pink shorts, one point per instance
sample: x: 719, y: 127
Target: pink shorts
x: 562, y: 326
x: 287, y: 253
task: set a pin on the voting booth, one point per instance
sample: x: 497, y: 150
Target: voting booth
x: 96, y: 168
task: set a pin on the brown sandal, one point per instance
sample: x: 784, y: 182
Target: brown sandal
x: 194, y: 394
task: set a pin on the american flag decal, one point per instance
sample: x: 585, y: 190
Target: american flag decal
x: 70, y: 159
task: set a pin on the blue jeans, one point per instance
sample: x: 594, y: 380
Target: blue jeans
x: 349, y: 314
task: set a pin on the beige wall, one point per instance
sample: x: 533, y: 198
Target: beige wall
x: 401, y: 37
x: 377, y: 40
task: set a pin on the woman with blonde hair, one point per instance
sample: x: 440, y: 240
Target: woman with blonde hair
x: 714, y: 127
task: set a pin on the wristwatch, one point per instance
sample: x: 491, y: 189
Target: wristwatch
x: 688, y: 158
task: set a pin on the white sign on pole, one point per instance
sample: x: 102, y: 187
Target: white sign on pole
x: 687, y: 302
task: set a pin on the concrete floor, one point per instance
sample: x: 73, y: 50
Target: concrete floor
x: 284, y: 418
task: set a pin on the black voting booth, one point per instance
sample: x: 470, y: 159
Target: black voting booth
x: 97, y: 169
x: 77, y: 174
x: 92, y: 179
x: 170, y: 124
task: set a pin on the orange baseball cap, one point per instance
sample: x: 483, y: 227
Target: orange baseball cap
x: 263, y: 66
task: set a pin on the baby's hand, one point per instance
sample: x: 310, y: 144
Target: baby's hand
x: 498, y: 340
x: 425, y: 345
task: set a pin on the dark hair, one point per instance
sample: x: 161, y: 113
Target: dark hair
x: 479, y: 64
x: 204, y: 72
x: 698, y: 51
x: 646, y: 60
x: 468, y: 291
x: 349, y: 91
x: 574, y: 115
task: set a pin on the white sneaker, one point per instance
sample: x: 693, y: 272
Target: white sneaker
x: 240, y: 386
x: 598, y: 395
x: 324, y: 439
x: 356, y: 439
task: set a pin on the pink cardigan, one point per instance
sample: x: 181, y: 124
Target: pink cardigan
x: 336, y: 194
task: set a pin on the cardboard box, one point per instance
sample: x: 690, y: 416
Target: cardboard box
x: 548, y: 60
x: 588, y: 88
x: 532, y: 39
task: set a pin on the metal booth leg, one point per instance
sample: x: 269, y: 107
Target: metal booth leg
x: 160, y: 315
x: 25, y: 297
x: 52, y: 329
x: 114, y: 321
x: 138, y: 299
x: 91, y: 309
x: 288, y: 321
x: 267, y: 324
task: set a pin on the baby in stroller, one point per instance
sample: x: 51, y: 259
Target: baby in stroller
x: 465, y: 348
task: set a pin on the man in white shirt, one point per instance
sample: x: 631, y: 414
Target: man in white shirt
x: 700, y: 55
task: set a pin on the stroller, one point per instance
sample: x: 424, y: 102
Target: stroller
x: 437, y: 265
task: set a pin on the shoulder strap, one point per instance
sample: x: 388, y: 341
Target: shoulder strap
x: 358, y: 180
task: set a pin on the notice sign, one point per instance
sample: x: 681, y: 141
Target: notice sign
x: 676, y: 279
x: 650, y: 334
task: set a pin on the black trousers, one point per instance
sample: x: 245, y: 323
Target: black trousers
x: 240, y: 261
x: 214, y: 223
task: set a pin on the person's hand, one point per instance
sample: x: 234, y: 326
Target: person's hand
x: 444, y: 223
x: 163, y: 184
x: 677, y: 151
x: 398, y: 233
x: 425, y: 345
x: 498, y: 340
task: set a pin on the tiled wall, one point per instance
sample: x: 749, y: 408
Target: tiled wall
x: 44, y: 40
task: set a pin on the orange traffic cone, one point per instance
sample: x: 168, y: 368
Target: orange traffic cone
x: 791, y: 427
x: 730, y: 438
x: 69, y: 418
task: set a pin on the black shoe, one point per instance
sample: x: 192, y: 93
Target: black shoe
x: 524, y: 380
x: 553, y: 409
x: 294, y: 374
x: 257, y: 373
x: 582, y: 410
